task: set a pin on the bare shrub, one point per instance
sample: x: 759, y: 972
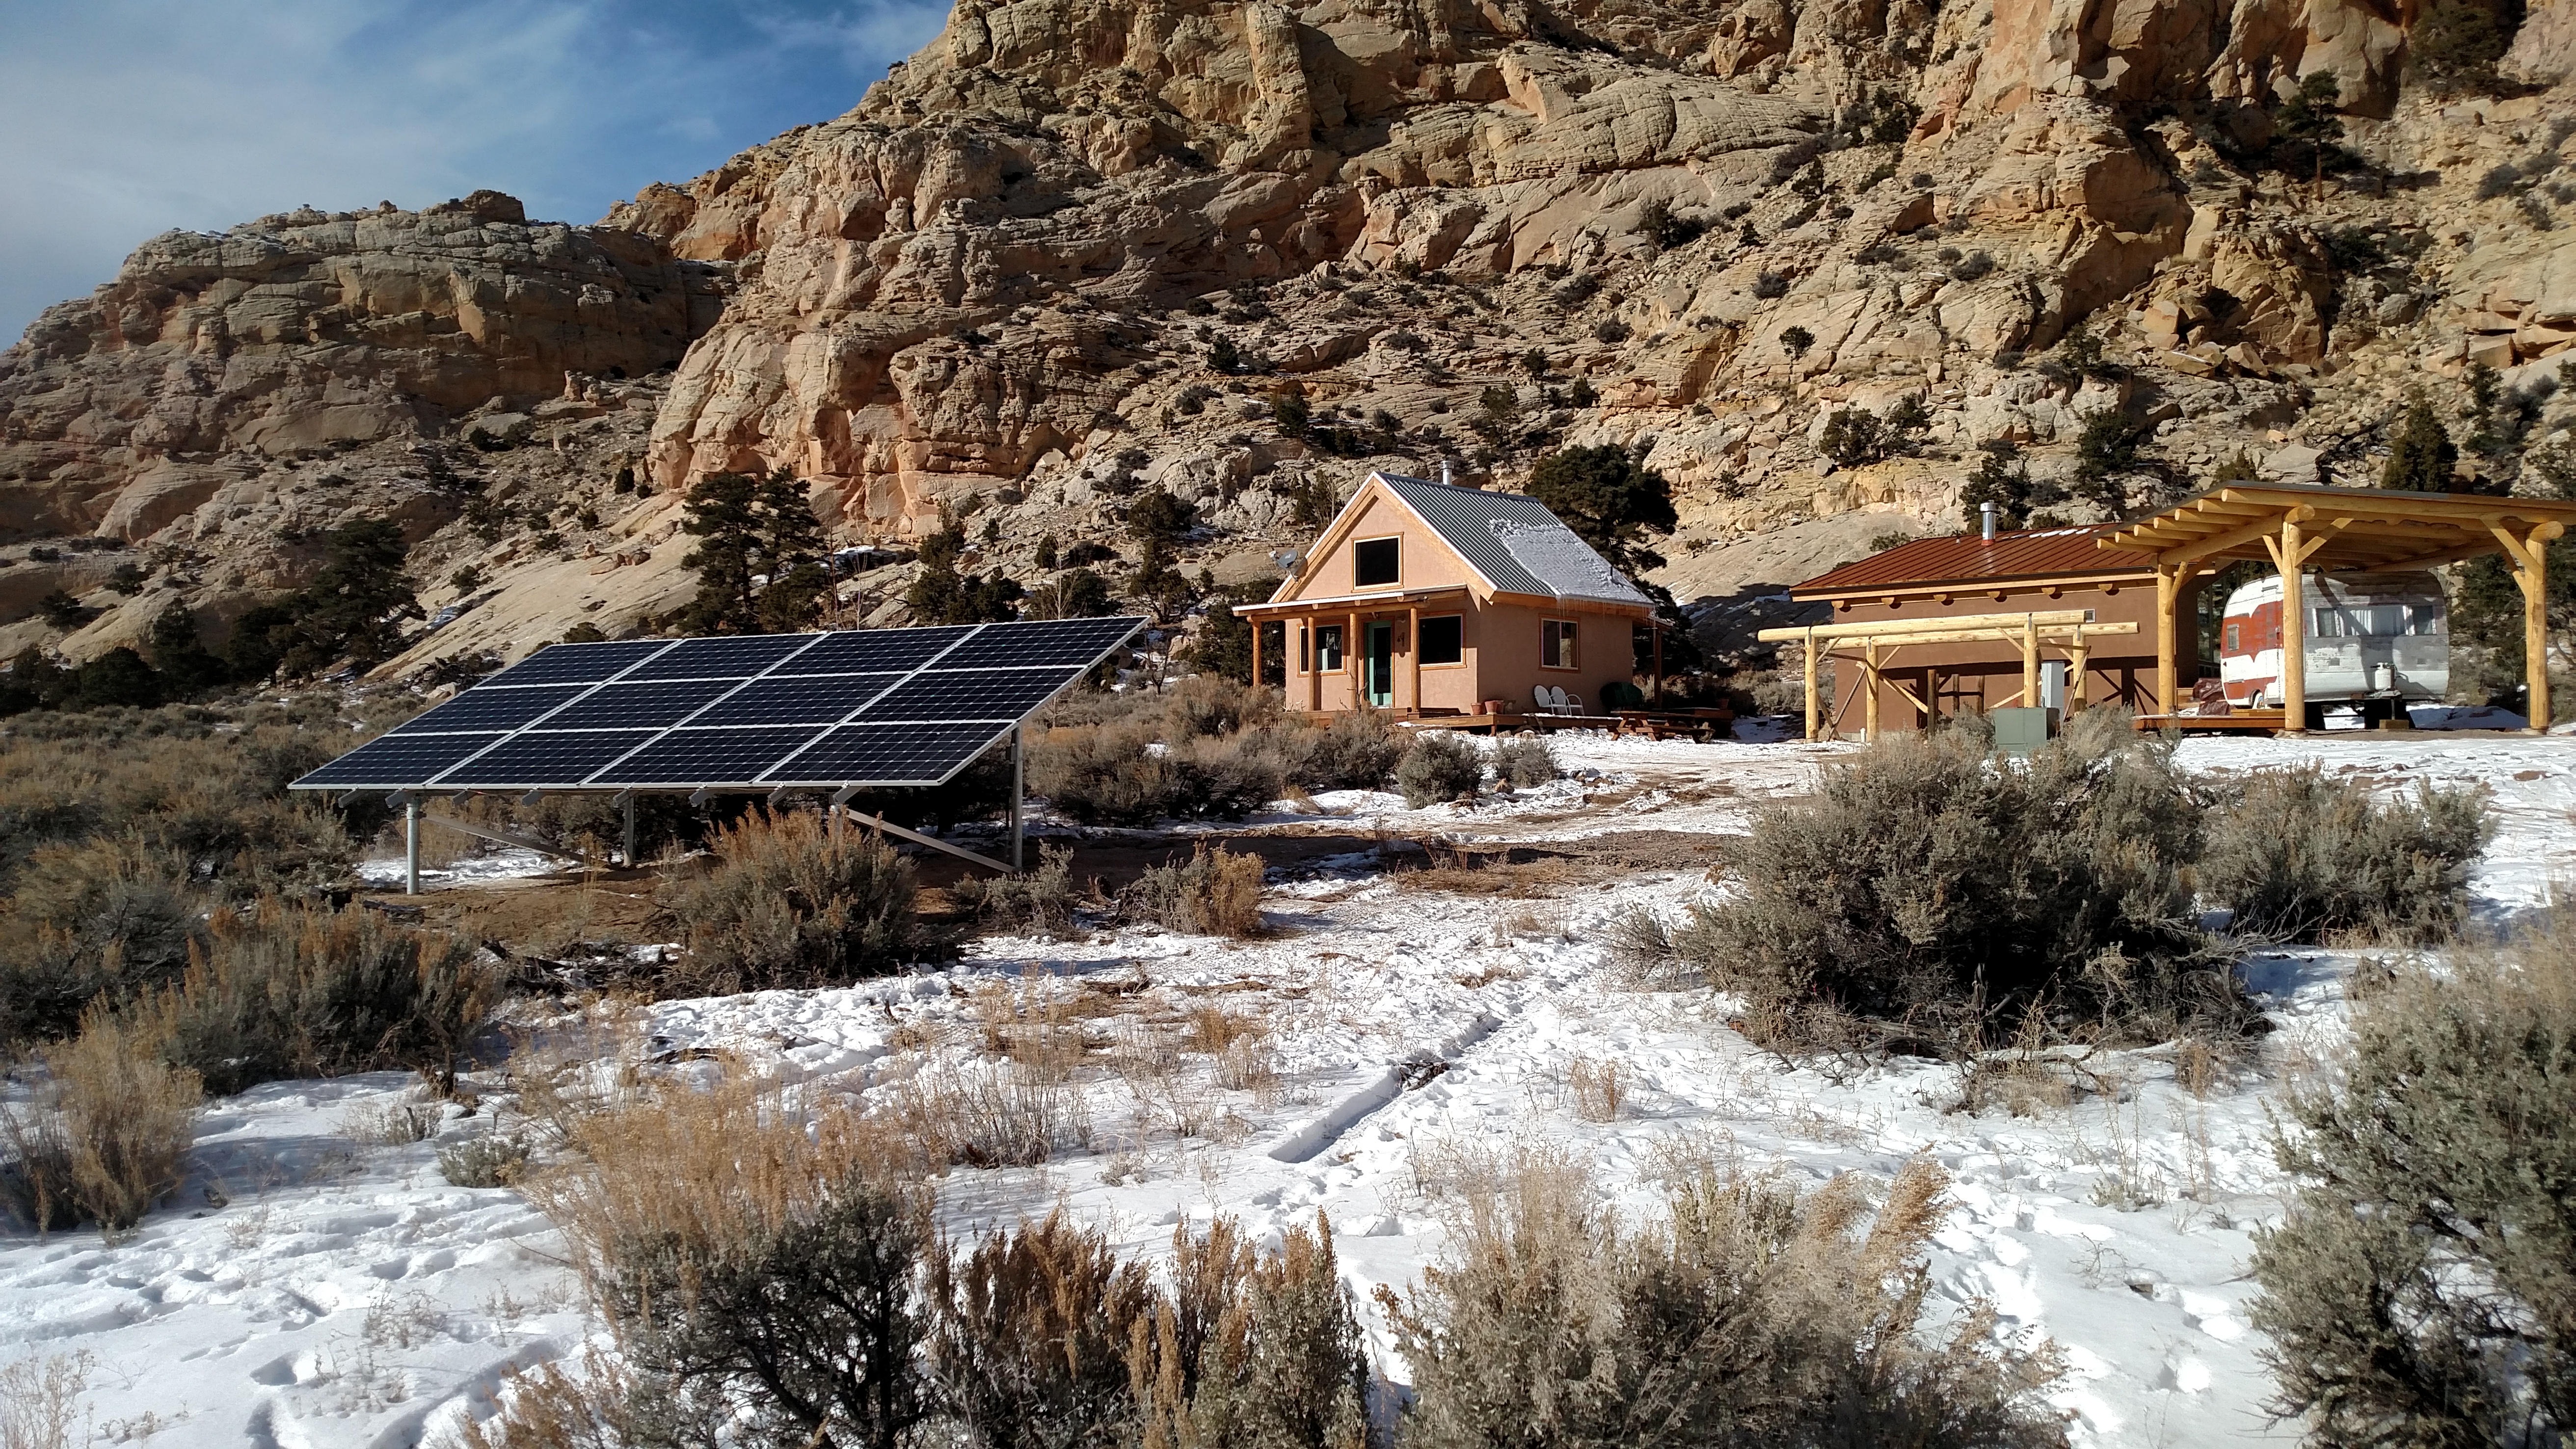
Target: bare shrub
x: 1249, y: 1348
x: 40, y: 1402
x: 1597, y: 1087
x: 2422, y: 1287
x: 1753, y: 1314
x: 550, y: 1407
x: 397, y: 1123
x: 1213, y: 1029
x: 1040, y: 902
x: 1925, y: 899
x: 1438, y: 767
x: 1029, y: 1337
x: 789, y: 906
x: 1135, y: 772
x: 1525, y: 764
x: 488, y: 1161
x: 108, y: 1135
x: 2297, y: 854
x: 282, y: 991
x: 1214, y: 893
x: 1002, y: 1116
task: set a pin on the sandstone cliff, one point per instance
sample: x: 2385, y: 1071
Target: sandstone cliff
x: 1003, y: 284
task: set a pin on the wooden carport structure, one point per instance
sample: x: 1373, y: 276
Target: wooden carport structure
x: 2069, y: 630
x: 2342, y: 530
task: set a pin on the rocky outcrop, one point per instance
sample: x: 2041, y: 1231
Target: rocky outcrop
x: 303, y: 333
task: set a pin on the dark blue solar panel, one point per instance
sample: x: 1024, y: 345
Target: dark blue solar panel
x: 491, y: 709
x: 657, y: 705
x: 862, y: 651
x: 541, y: 758
x: 1064, y: 641
x: 819, y: 699
x: 397, y: 760
x: 722, y: 657
x: 711, y: 757
x: 923, y: 754
x: 576, y: 663
x: 1003, y: 694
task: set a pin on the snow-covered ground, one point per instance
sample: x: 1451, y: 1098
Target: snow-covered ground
x: 311, y: 1286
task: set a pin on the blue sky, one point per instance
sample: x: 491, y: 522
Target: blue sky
x: 120, y: 119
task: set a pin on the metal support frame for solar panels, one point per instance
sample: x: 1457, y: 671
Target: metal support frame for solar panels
x: 954, y: 653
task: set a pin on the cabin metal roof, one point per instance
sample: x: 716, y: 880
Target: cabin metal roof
x: 1969, y: 560
x: 1515, y: 542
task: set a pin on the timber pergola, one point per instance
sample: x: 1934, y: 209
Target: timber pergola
x: 2300, y: 528
x: 2070, y: 630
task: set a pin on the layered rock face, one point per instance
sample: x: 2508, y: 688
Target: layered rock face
x: 305, y: 333
x: 1074, y: 248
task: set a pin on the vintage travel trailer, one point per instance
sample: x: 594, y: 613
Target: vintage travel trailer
x: 2382, y: 636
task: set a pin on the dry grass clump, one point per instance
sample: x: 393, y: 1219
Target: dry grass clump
x: 1754, y: 1315
x: 787, y: 906
x: 2297, y: 854
x: 1439, y: 767
x: 1251, y: 1348
x: 1040, y: 902
x: 282, y: 991
x: 107, y: 1137
x: 2422, y: 1287
x: 1928, y: 899
x: 1206, y: 750
x: 1598, y: 1088
x: 1006, y: 1116
x: 1214, y: 893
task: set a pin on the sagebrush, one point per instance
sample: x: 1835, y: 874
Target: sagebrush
x: 790, y: 905
x: 2421, y: 1289
x: 107, y: 1137
x: 1213, y: 893
x: 2298, y: 854
x: 1439, y: 767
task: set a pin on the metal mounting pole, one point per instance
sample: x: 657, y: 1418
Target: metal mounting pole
x: 1017, y: 775
x: 411, y: 845
x: 628, y: 858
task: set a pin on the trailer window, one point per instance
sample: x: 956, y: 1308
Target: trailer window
x: 2326, y: 624
x: 2423, y: 619
x: 2233, y: 646
x: 2387, y: 619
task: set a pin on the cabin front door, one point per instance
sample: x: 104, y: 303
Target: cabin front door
x: 1379, y: 642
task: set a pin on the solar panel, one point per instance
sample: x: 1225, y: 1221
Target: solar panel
x: 855, y: 707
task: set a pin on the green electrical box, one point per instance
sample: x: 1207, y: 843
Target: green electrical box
x: 2020, y: 730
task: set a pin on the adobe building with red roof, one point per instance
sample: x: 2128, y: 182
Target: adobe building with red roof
x: 2035, y: 571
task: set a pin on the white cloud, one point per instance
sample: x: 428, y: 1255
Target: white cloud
x: 125, y: 118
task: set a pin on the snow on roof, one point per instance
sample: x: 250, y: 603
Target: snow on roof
x: 1515, y: 542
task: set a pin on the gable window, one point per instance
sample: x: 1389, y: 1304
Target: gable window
x: 1444, y: 639
x: 1556, y: 644
x: 1375, y: 561
x: 1328, y: 649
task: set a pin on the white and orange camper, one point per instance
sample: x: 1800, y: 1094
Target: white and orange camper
x: 2382, y: 637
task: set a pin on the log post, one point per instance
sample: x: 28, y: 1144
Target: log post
x: 1256, y: 653
x: 2168, y: 594
x: 2076, y: 654
x: 2029, y: 661
x: 1413, y: 652
x: 1814, y: 714
x: 1869, y: 681
x: 2294, y: 629
x: 1313, y: 660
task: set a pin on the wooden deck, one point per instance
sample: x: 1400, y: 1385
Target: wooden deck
x: 1654, y: 724
x: 2243, y: 721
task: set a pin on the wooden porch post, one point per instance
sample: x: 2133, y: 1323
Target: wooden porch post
x: 1314, y: 661
x: 1656, y: 627
x: 1256, y: 651
x: 2294, y: 629
x: 2076, y: 653
x: 1413, y: 651
x: 1351, y: 659
x: 2529, y: 559
x: 2168, y: 595
x: 1814, y: 714
x: 2029, y: 661
x: 1869, y: 681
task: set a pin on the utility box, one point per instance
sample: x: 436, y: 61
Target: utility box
x: 2020, y: 730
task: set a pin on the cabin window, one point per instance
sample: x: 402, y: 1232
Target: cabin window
x: 1303, y: 666
x: 1375, y: 561
x: 1444, y: 639
x: 2234, y: 646
x: 1556, y: 644
x: 2423, y: 619
x: 1328, y: 649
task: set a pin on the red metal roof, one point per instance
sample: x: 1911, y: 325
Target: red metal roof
x: 1966, y: 558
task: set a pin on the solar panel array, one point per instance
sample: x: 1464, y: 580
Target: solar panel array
x: 853, y: 707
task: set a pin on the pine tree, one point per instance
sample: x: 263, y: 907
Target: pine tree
x: 791, y: 551
x: 355, y: 606
x: 723, y: 515
x: 2421, y: 459
x: 1610, y: 501
x: 187, y: 667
